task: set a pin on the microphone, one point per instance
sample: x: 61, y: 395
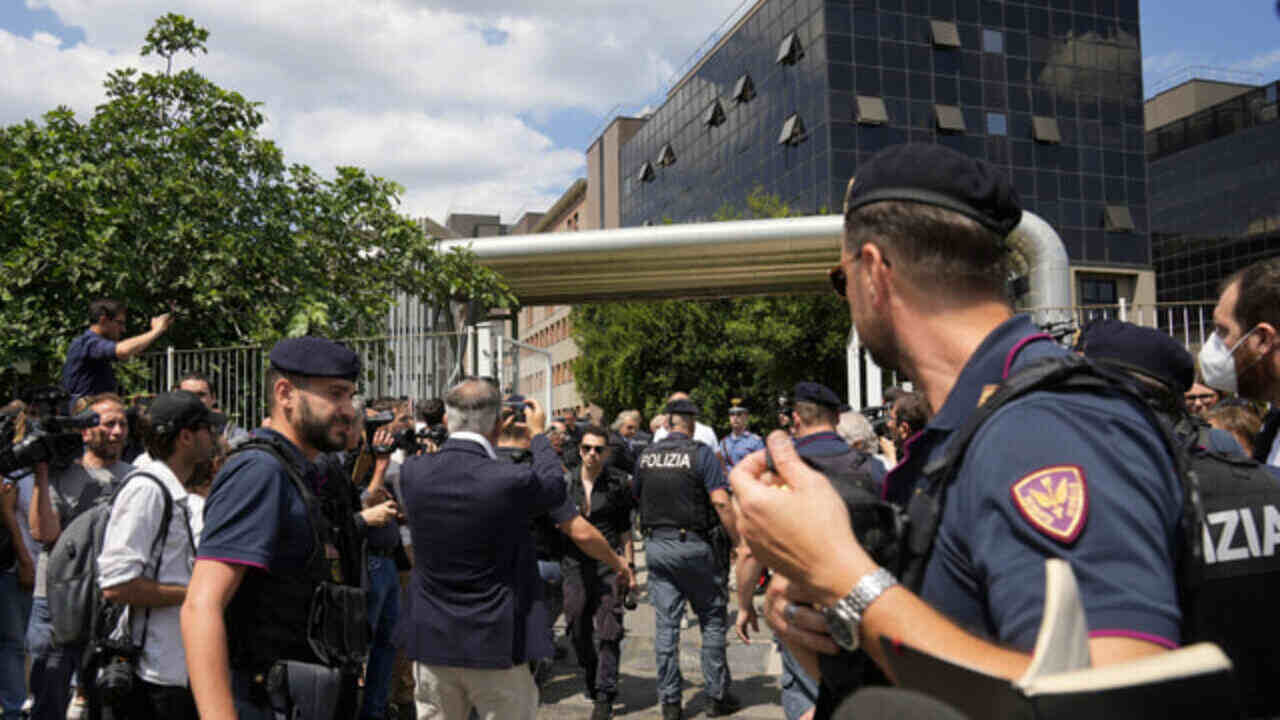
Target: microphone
x: 886, y: 703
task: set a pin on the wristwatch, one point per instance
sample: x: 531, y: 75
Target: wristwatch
x: 844, y: 619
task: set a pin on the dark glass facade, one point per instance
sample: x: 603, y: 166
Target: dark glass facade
x: 1215, y: 194
x: 1073, y: 64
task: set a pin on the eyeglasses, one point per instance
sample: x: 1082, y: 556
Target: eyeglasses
x: 588, y: 449
x: 1200, y: 398
x: 838, y: 279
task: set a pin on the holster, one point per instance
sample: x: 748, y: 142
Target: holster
x: 721, y: 548
x: 303, y: 691
x: 338, y: 626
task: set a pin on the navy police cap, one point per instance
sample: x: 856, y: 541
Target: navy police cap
x: 939, y: 176
x: 816, y: 393
x: 1147, y: 350
x: 315, y: 357
x: 681, y: 407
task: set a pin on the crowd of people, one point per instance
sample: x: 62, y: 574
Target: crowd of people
x: 356, y: 557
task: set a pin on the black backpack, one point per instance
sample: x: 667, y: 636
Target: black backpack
x: 78, y: 612
x: 1228, y: 570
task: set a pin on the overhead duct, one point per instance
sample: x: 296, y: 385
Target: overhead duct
x: 1044, y: 275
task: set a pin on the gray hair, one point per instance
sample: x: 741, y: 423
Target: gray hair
x: 622, y: 417
x: 856, y: 430
x: 472, y: 406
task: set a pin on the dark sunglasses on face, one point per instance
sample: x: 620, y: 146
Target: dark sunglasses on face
x: 587, y: 449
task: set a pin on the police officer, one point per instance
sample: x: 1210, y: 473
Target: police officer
x: 740, y: 442
x: 687, y: 520
x: 268, y: 620
x: 1078, y: 476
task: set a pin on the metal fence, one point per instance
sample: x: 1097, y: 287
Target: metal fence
x: 416, y: 366
x: 1187, y: 322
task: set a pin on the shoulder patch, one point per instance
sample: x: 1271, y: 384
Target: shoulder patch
x: 1054, y: 500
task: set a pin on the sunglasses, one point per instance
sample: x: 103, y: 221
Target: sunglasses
x: 588, y: 449
x: 838, y: 279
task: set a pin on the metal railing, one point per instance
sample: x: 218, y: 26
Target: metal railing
x: 1187, y: 322
x: 418, y: 366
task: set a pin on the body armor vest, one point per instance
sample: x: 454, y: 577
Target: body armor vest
x: 672, y: 494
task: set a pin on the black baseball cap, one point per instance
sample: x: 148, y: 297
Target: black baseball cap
x: 179, y: 410
x: 816, y: 393
x: 681, y: 407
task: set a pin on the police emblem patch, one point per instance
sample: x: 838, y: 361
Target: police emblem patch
x: 1054, y: 500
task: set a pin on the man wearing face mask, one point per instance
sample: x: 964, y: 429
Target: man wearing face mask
x: 1240, y: 356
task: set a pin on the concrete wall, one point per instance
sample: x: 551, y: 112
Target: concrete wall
x: 1187, y: 99
x: 604, y: 181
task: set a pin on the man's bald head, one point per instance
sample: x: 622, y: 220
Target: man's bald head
x: 472, y: 406
x: 679, y: 395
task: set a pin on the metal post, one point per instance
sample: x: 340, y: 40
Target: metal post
x: 546, y: 355
x: 853, y: 351
x: 170, y: 374
x: 1124, y: 314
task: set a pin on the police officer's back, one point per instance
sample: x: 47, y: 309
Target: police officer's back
x: 265, y: 617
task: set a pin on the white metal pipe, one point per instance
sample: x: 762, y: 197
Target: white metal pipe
x: 546, y: 354
x: 1048, y: 273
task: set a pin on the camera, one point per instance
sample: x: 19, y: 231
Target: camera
x: 516, y: 408
x: 437, y: 434
x: 49, y: 437
x: 879, y: 419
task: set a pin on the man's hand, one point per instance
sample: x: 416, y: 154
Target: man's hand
x: 8, y: 497
x: 626, y: 579
x: 161, y: 323
x: 382, y: 438
x: 381, y: 514
x: 889, y: 450
x: 796, y: 523
x: 802, y: 629
x: 747, y: 618
x: 535, y: 416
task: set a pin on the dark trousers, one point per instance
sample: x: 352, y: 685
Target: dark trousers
x: 162, y: 702
x: 593, y: 610
x: 52, y: 665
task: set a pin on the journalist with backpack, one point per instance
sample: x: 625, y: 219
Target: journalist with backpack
x: 58, y: 498
x: 147, y: 553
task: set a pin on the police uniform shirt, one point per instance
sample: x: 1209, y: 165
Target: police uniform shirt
x: 821, y: 444
x: 1079, y: 476
x: 735, y: 447
x: 254, y: 516
x: 705, y: 465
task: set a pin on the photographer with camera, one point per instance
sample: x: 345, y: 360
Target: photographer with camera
x: 923, y: 270
x: 146, y: 564
x: 87, y: 370
x: 58, y: 497
x: 907, y: 416
x: 17, y: 574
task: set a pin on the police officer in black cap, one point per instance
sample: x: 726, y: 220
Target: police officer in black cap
x: 269, y: 624
x: 688, y: 522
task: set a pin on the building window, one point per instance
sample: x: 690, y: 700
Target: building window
x: 790, y: 51
x: 997, y: 124
x: 950, y: 119
x: 993, y: 41
x: 1117, y: 218
x: 1045, y: 129
x: 1098, y: 291
x: 713, y: 116
x: 646, y: 173
x: 666, y: 156
x: 744, y: 89
x: 871, y: 111
x: 792, y: 131
x: 945, y: 34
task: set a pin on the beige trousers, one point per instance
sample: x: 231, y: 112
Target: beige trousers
x: 449, y: 693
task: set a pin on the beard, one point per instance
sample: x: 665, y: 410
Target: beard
x: 105, y: 449
x: 880, y: 341
x: 320, y: 433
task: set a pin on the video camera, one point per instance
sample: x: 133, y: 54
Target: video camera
x: 49, y: 437
x: 878, y: 416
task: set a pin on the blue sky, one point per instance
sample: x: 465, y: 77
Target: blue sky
x: 472, y: 105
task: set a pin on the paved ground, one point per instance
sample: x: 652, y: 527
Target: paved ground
x: 754, y: 667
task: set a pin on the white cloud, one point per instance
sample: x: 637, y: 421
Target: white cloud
x: 1265, y: 63
x: 408, y: 89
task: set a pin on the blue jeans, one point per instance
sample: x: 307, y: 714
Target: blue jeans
x: 799, y: 691
x: 552, y: 593
x: 15, y: 609
x: 384, y: 611
x: 52, y: 666
x: 681, y: 570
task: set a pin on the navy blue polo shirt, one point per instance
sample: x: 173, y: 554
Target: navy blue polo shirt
x: 705, y: 463
x: 1079, y: 476
x: 821, y: 444
x: 88, y: 370
x: 254, y: 515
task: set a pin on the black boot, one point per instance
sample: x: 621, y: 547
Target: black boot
x: 726, y: 705
x: 672, y: 711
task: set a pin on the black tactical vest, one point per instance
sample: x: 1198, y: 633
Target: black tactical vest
x: 672, y: 494
x: 296, y: 613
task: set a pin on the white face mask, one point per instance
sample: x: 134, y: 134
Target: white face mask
x: 1218, y: 364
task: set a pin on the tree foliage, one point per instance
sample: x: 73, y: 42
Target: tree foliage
x: 169, y: 198
x: 635, y: 354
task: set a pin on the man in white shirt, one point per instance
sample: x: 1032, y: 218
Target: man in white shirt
x: 146, y: 565
x: 701, y: 433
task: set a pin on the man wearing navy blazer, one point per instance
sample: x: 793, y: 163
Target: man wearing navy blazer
x: 476, y: 616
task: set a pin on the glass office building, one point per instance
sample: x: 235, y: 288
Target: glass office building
x: 1215, y: 193
x: 801, y: 91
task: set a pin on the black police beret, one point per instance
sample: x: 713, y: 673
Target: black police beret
x: 315, y: 357
x: 937, y: 175
x: 1147, y: 350
x: 180, y: 409
x: 816, y: 393
x: 681, y: 407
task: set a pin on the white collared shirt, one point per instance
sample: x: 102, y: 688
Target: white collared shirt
x: 126, y: 555
x: 475, y: 438
x: 701, y: 433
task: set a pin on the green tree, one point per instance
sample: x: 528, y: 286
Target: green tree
x: 169, y: 198
x: 635, y: 354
